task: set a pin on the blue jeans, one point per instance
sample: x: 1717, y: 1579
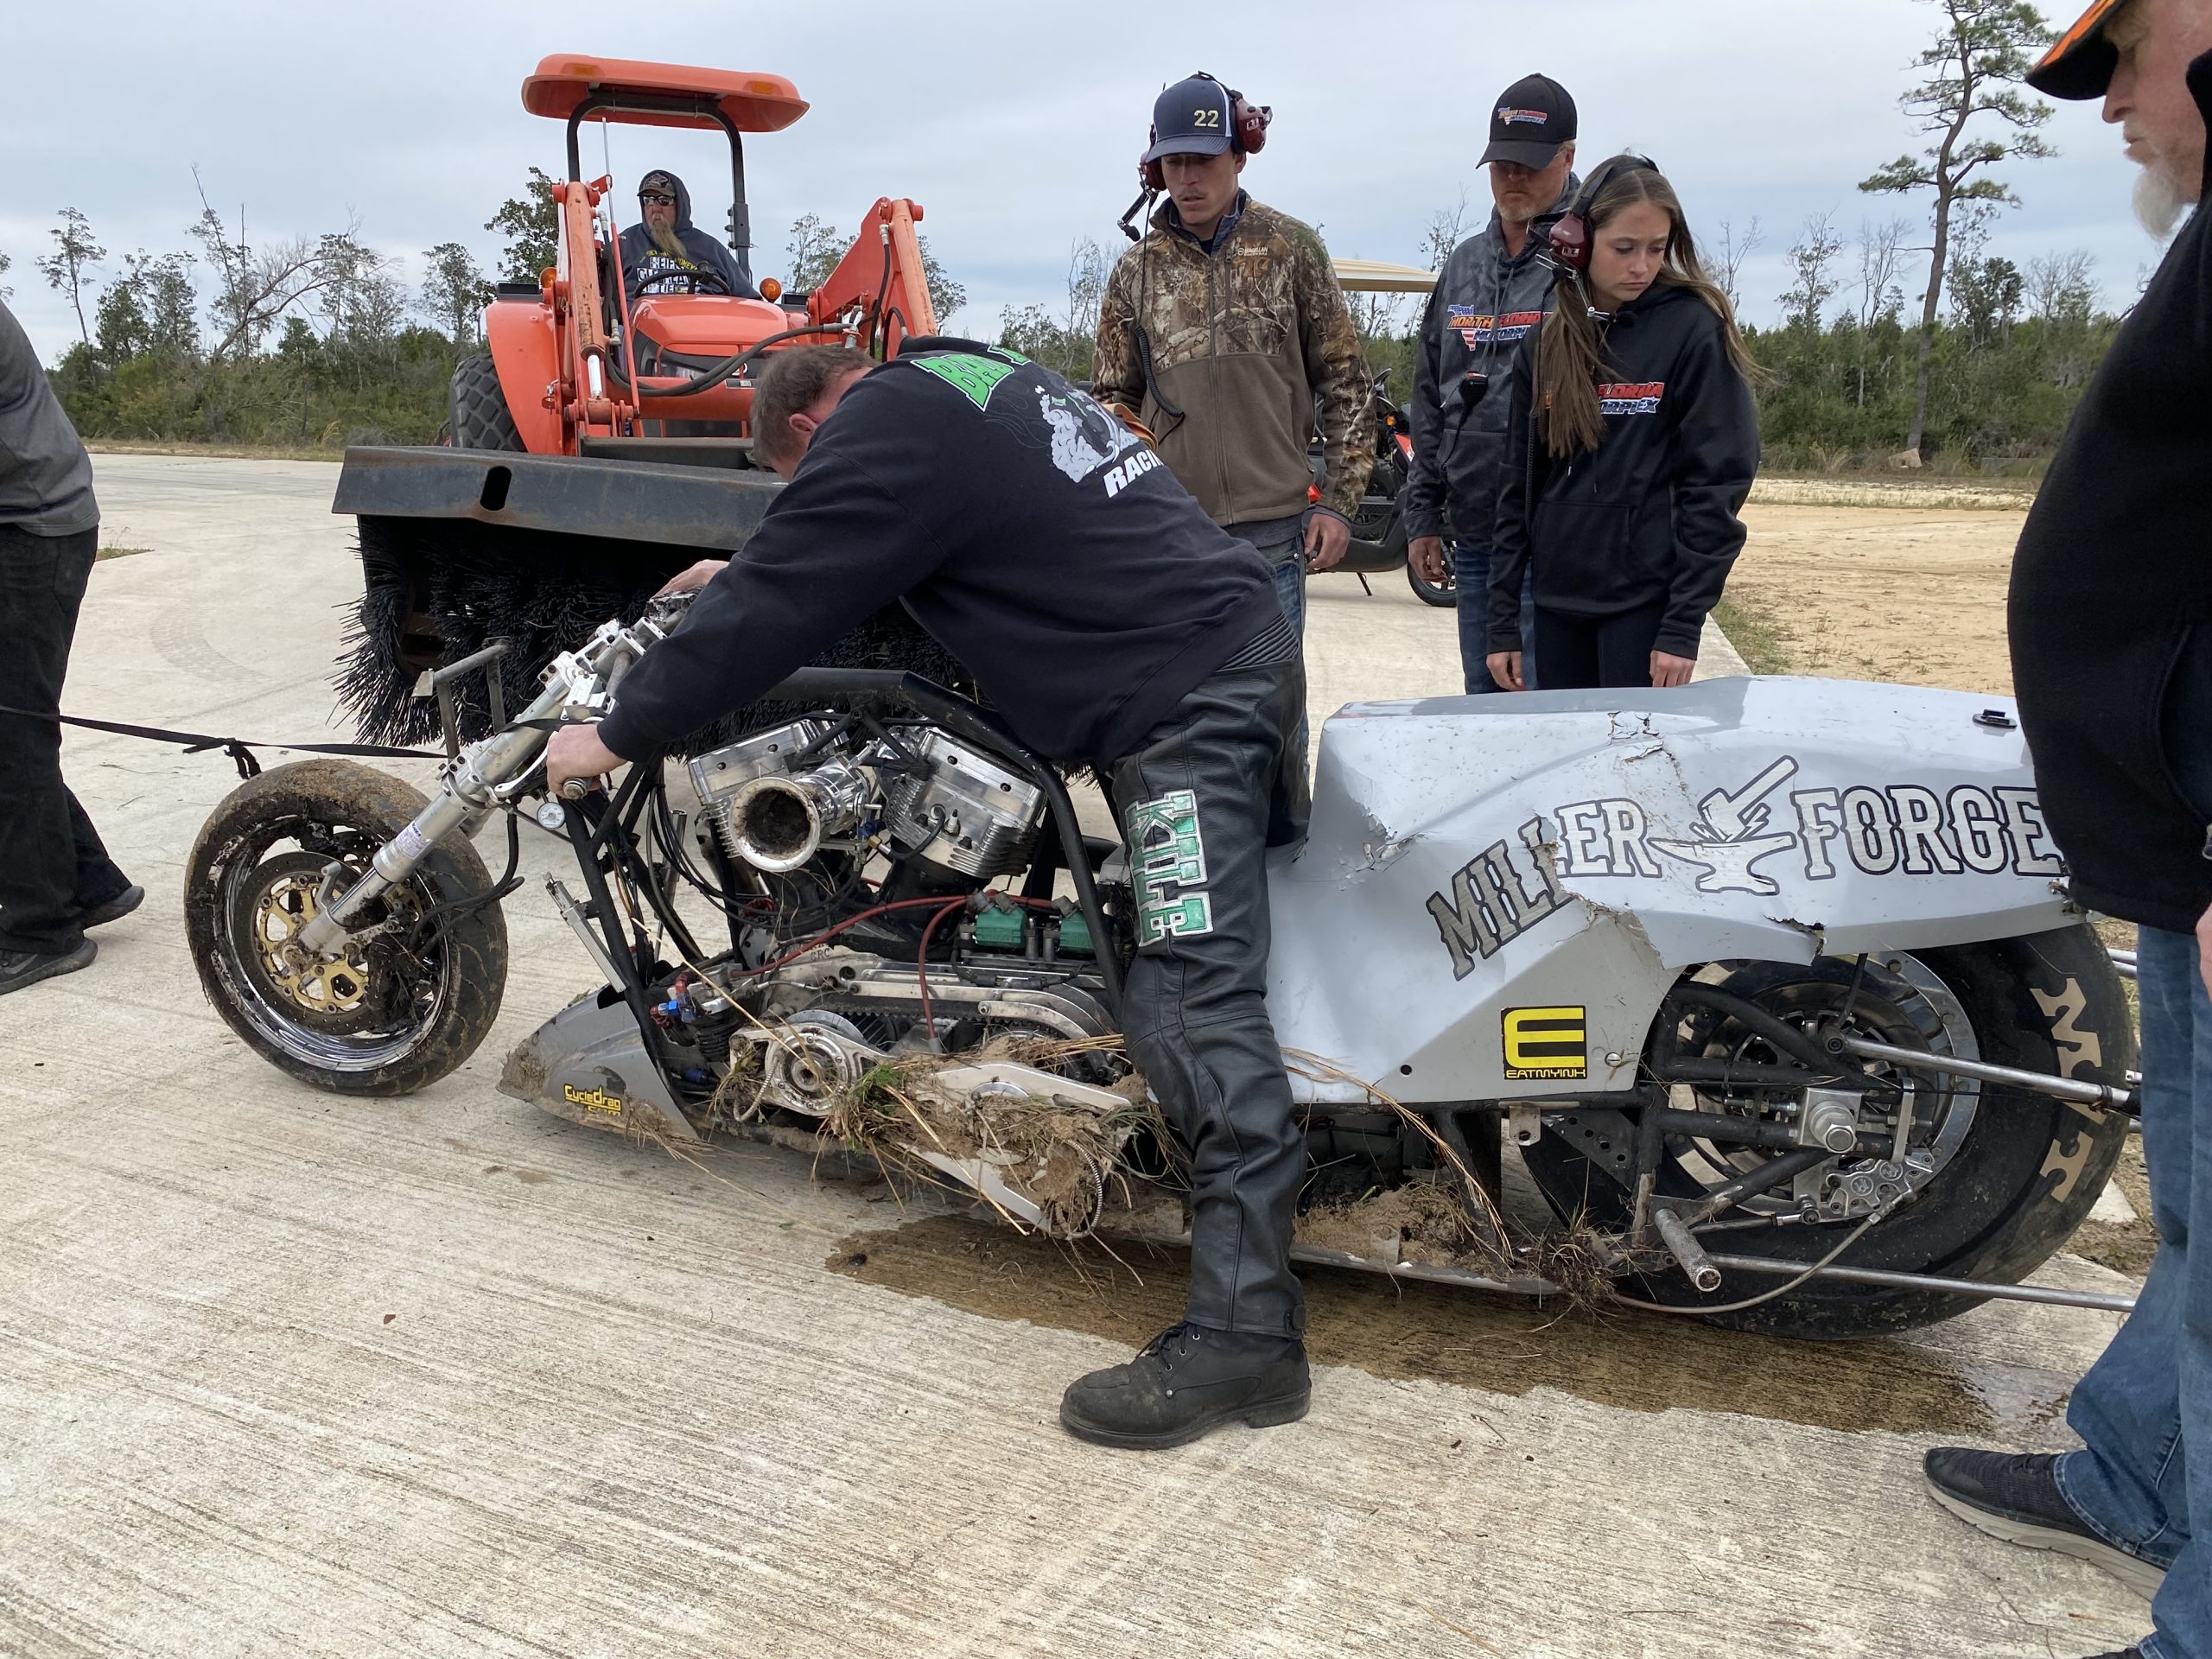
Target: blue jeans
x: 2150, y: 1396
x: 1470, y: 574
x: 1290, y: 588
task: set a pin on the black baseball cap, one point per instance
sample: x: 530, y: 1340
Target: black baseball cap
x: 1533, y: 117
x: 2080, y: 64
x: 1192, y: 118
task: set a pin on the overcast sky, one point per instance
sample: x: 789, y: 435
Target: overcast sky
x: 1015, y: 125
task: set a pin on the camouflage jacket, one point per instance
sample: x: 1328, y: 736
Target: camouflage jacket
x: 1244, y: 342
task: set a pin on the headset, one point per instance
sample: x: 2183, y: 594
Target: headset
x: 1568, y: 246
x: 1248, y: 130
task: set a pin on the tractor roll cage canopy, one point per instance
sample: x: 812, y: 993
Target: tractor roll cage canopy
x: 665, y: 95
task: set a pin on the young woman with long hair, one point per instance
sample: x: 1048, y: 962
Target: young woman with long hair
x: 1632, y: 442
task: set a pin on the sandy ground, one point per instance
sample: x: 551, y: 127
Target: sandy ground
x: 289, y: 1374
x: 1890, y: 592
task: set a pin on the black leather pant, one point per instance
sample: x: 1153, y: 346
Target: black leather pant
x: 1209, y: 790
x: 52, y: 867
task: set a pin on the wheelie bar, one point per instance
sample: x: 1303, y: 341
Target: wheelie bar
x: 2046, y: 1295
x: 2101, y: 1095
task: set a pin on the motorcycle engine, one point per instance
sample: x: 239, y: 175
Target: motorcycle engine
x: 956, y: 809
x: 967, y: 813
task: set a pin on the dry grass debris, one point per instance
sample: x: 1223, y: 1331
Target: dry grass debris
x: 1061, y: 1155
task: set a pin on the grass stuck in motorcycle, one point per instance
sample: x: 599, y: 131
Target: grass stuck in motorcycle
x: 1771, y: 985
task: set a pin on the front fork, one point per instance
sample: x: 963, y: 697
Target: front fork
x: 576, y: 685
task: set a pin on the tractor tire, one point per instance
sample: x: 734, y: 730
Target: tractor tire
x: 478, y: 416
x: 2023, y: 1178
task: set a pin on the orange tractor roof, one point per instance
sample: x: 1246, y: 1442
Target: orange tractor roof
x: 754, y: 102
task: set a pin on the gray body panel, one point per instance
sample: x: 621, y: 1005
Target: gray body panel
x: 588, y: 1064
x: 1472, y: 857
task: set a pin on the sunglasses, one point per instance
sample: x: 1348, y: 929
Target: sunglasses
x: 655, y: 195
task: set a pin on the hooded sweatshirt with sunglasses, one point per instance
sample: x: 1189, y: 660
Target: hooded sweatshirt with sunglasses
x: 696, y: 264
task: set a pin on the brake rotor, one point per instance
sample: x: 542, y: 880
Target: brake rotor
x: 1903, y: 1004
x: 336, y: 987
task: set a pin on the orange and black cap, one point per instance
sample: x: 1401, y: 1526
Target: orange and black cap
x: 2079, y: 66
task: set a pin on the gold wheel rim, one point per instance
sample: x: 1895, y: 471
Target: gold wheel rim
x: 336, y: 987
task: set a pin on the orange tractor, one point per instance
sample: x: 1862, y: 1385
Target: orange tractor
x: 562, y: 376
x: 603, y: 441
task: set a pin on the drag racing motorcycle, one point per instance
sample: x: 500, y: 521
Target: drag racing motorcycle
x: 1770, y: 987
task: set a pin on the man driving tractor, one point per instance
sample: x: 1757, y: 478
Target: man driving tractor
x: 1113, y: 624
x: 666, y: 253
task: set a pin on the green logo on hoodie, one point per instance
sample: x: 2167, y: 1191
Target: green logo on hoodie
x: 976, y: 377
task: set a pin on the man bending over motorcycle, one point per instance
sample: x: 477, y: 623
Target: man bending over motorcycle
x: 1113, y: 624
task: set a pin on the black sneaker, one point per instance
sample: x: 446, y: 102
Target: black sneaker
x: 22, y: 968
x: 1187, y: 1382
x: 2015, y: 1496
x: 115, y: 909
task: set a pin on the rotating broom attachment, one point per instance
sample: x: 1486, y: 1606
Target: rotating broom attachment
x: 434, y: 590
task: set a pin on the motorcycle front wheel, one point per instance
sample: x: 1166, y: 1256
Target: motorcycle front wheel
x: 1994, y: 1179
x: 415, y: 994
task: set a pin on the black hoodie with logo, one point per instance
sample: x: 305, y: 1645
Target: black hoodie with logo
x: 1026, y: 529
x: 647, y: 269
x: 2111, y: 607
x: 1651, y: 512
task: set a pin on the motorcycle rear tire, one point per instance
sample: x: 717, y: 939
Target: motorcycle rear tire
x: 2019, y: 1183
x: 238, y: 885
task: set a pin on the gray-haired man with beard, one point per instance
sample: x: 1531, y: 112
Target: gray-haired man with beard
x: 665, y: 253
x: 2112, y: 655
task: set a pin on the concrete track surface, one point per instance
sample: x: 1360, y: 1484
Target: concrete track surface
x: 283, y: 1373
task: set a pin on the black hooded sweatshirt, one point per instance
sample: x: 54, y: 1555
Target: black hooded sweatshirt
x: 2111, y: 607
x: 1651, y: 512
x: 647, y: 270
x: 1023, y: 527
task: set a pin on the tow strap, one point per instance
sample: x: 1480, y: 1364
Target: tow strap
x: 239, y: 749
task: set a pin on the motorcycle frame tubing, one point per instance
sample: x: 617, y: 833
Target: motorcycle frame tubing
x: 613, y: 837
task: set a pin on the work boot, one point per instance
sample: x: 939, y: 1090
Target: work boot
x: 115, y: 909
x: 22, y: 968
x: 1187, y: 1382
x: 2015, y: 1496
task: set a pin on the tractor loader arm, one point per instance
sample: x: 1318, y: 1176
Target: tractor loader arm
x: 879, y: 286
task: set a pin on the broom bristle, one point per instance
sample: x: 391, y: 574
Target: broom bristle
x: 434, y: 590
